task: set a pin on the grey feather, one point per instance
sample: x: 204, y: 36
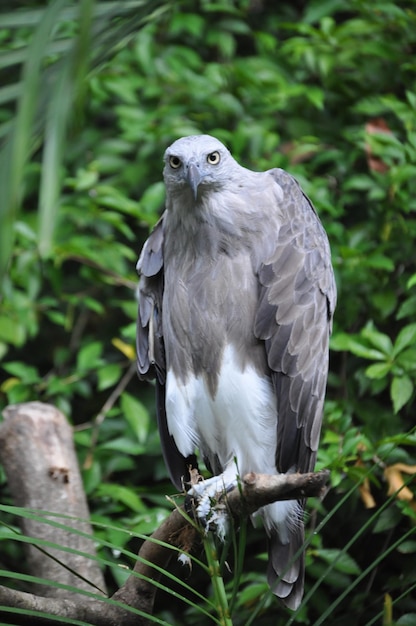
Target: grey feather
x: 239, y: 259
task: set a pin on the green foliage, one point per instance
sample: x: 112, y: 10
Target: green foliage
x: 325, y: 90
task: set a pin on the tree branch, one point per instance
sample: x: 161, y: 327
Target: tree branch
x: 40, y: 434
x: 38, y: 456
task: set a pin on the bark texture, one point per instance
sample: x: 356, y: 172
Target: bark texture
x: 38, y: 456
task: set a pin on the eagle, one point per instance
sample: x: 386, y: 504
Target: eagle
x: 236, y: 299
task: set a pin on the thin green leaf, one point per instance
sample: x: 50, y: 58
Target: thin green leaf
x: 15, y: 153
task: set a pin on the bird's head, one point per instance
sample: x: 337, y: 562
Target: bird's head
x: 197, y: 162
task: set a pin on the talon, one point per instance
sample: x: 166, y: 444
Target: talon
x: 204, y: 501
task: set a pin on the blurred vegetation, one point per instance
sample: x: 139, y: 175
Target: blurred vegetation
x: 92, y: 93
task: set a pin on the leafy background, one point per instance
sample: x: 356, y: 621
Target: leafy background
x: 92, y: 93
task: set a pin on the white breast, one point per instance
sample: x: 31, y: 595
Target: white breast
x: 239, y: 422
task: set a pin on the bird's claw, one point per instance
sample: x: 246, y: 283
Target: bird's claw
x: 207, y: 503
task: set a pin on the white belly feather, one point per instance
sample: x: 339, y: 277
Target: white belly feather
x: 238, y: 424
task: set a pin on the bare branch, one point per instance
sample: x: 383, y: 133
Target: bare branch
x: 37, y: 452
x: 257, y: 490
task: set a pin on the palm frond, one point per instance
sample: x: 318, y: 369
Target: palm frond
x: 48, y: 93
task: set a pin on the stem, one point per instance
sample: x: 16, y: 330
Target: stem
x: 239, y: 540
x: 220, y: 595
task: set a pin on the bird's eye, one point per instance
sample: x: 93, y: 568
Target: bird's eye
x: 214, y: 158
x: 175, y: 162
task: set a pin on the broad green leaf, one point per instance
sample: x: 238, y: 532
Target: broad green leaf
x: 125, y: 445
x: 401, y: 390
x: 342, y: 561
x: 26, y: 373
x: 11, y: 331
x: 136, y: 415
x: 108, y: 375
x: 153, y: 198
x: 407, y: 309
x: 407, y: 360
x: 252, y: 593
x: 378, y: 370
x: 92, y: 477
x: 406, y: 337
x: 89, y: 355
x: 377, y: 339
x: 148, y: 522
x: 354, y: 344
x: 387, y: 520
x: 407, y: 547
x: 409, y: 619
x: 124, y: 494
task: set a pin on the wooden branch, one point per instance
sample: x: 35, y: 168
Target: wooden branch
x: 38, y: 427
x: 38, y: 456
x: 257, y: 490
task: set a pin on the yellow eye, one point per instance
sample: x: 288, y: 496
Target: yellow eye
x: 214, y: 158
x: 175, y: 162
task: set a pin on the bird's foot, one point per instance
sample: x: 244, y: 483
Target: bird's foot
x: 207, y: 501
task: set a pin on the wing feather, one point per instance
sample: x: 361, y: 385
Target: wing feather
x: 296, y: 302
x: 150, y: 347
x: 149, y: 338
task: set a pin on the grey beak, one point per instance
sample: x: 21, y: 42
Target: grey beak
x: 193, y: 178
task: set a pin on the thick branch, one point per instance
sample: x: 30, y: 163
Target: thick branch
x: 38, y: 456
x: 38, y: 428
x: 257, y: 490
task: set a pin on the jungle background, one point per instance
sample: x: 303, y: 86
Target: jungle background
x: 91, y: 94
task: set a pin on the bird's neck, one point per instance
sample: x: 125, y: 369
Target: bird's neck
x: 210, y: 226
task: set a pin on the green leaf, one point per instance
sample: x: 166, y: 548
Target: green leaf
x: 409, y: 619
x: 147, y: 523
x: 377, y: 339
x: 153, y: 198
x: 125, y: 445
x: 26, y: 373
x: 387, y: 520
x: 378, y: 370
x: 11, y: 331
x: 411, y: 282
x: 342, y: 561
x: 108, y: 375
x: 401, y: 390
x: 17, y: 149
x: 353, y: 343
x: 407, y: 547
x: 88, y: 356
x: 405, y: 338
x: 122, y: 494
x: 380, y: 261
x: 407, y: 360
x: 136, y: 415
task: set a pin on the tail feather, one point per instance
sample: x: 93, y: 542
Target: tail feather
x: 285, y: 574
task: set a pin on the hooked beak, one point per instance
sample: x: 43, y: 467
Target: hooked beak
x: 193, y: 178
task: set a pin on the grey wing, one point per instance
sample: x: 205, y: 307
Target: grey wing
x: 294, y: 317
x: 150, y: 346
x: 149, y: 340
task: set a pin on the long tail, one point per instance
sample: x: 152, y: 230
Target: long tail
x: 285, y: 574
